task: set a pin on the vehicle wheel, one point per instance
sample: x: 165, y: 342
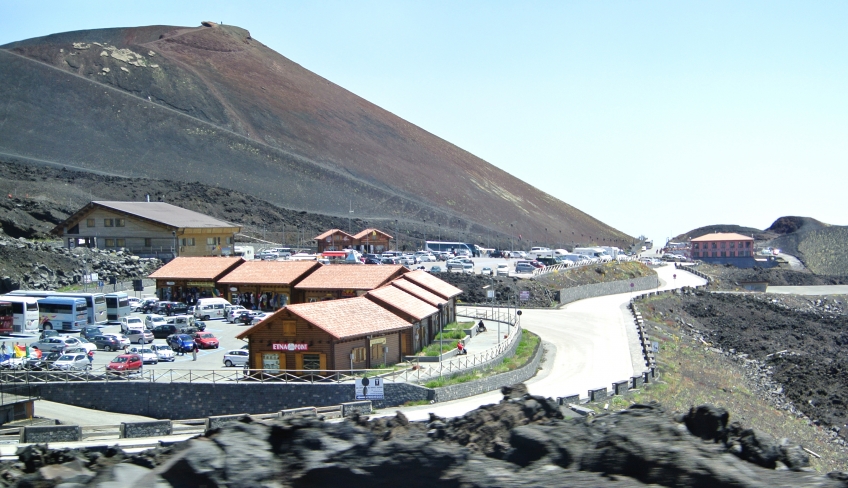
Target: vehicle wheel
x: 228, y: 363
x: 107, y: 348
x: 47, y: 326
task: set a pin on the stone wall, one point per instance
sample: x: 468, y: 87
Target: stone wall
x: 195, y: 400
x: 520, y: 375
x: 51, y: 433
x: 568, y: 295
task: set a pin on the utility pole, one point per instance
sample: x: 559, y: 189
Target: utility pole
x: 349, y: 213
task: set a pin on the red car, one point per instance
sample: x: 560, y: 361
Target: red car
x: 125, y: 362
x: 536, y: 264
x: 205, y: 340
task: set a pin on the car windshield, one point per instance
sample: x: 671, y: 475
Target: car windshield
x: 120, y: 359
x: 205, y: 336
x: 67, y: 357
x: 133, y: 320
x: 145, y: 351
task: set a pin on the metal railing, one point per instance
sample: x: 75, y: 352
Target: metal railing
x: 572, y: 265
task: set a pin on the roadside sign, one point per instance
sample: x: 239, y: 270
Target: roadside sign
x: 369, y: 389
x: 674, y: 276
x: 524, y: 295
x: 631, y: 285
x: 655, y: 346
x: 490, y: 293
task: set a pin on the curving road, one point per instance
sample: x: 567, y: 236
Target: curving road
x: 592, y: 343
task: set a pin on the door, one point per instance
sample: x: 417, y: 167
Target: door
x: 271, y: 362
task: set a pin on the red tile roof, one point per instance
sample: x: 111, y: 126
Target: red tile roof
x: 269, y: 272
x: 350, y: 277
x: 367, y: 232
x: 331, y: 232
x: 393, y: 296
x: 201, y: 268
x: 722, y: 236
x: 342, y: 319
x: 430, y: 282
x: 419, y: 292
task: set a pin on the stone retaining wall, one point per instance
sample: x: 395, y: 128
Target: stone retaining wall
x: 568, y: 295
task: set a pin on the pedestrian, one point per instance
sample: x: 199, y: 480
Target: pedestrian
x: 194, y: 353
x: 90, y: 358
x: 36, y: 352
x: 3, y: 351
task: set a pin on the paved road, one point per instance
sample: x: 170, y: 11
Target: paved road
x: 809, y: 290
x: 592, y: 343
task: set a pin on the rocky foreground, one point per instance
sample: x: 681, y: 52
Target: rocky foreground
x: 522, y: 441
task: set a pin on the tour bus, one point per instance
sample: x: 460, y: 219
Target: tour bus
x: 24, y: 312
x: 6, y: 318
x: 63, y: 313
x: 117, y: 306
x: 96, y: 302
x: 454, y: 247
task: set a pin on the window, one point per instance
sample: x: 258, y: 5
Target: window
x: 108, y: 223
x: 289, y: 328
x: 148, y: 242
x: 110, y: 242
x: 732, y: 245
x: 187, y: 241
x: 723, y: 244
x: 89, y: 222
x: 213, y: 241
x: 723, y: 254
x: 120, y: 223
x: 229, y: 240
x: 713, y: 245
x: 748, y: 244
x: 271, y: 362
x: 312, y: 361
x: 358, y: 354
x: 120, y: 242
x: 696, y: 246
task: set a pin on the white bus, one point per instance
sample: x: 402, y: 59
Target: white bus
x: 24, y: 313
x: 62, y: 313
x: 453, y: 247
x: 117, y: 306
x: 96, y: 302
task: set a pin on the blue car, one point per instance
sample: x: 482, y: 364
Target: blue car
x: 181, y: 343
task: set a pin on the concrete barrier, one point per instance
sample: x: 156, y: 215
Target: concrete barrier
x: 582, y: 410
x: 299, y: 412
x: 361, y: 407
x: 221, y: 420
x: 597, y: 394
x: 155, y: 428
x: 621, y: 387
x: 647, y: 377
x: 40, y: 434
x: 636, y: 382
x: 568, y: 399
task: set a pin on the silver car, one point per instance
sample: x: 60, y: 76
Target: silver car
x: 163, y: 351
x: 236, y: 357
x: 135, y: 336
x: 147, y: 354
x: 77, y: 361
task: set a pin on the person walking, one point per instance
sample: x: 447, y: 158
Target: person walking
x: 90, y: 358
x: 194, y: 353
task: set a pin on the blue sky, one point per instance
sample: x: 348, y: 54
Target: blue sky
x: 654, y: 117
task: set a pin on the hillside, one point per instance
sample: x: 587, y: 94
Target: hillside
x: 213, y: 105
x: 758, y: 234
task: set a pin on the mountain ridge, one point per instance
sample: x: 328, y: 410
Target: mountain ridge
x: 278, y: 131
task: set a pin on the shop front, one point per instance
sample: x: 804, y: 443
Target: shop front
x: 187, y: 279
x: 265, y: 285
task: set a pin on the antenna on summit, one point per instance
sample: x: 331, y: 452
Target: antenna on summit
x: 349, y: 213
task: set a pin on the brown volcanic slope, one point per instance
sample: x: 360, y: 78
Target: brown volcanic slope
x: 212, y: 104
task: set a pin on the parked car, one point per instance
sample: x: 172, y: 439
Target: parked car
x: 163, y: 331
x: 205, y: 340
x: 128, y: 323
x: 536, y: 264
x: 233, y: 312
x: 524, y: 268
x: 372, y: 261
x: 123, y: 363
x: 48, y: 333
x: 249, y: 317
x: 90, y: 332
x: 454, y: 264
x: 108, y: 343
x: 43, y: 363
x: 486, y: 271
x: 502, y: 269
x: 425, y: 257
x: 171, y: 308
x: 468, y: 268
x: 148, y: 355
x: 151, y: 321
x: 236, y: 357
x: 136, y: 336
x: 163, y: 351
x: 435, y: 269
x: 134, y: 302
x: 77, y: 361
x: 181, y: 342
x: 121, y: 337
x: 60, y: 343
x: 147, y: 305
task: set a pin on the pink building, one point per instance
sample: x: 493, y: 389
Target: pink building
x: 722, y: 245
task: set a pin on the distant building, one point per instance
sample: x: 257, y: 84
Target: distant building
x: 148, y: 229
x: 728, y: 248
x: 367, y: 241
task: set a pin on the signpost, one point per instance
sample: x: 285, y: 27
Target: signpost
x: 524, y: 296
x: 369, y: 389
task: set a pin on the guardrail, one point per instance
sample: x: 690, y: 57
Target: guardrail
x: 571, y: 265
x: 412, y: 373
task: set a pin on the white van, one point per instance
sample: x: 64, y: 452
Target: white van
x: 210, y: 308
x: 181, y: 321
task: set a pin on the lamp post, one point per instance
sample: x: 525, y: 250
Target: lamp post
x: 174, y: 234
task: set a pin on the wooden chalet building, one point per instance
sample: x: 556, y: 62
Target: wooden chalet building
x: 422, y: 315
x: 187, y: 279
x: 438, y: 287
x: 147, y: 229
x: 354, y: 333
x: 266, y: 285
x: 367, y: 241
x: 345, y: 281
